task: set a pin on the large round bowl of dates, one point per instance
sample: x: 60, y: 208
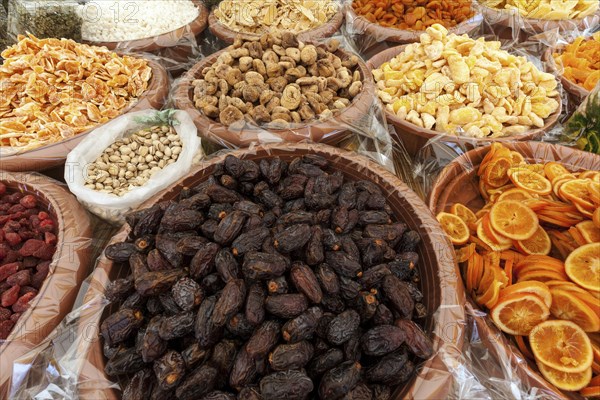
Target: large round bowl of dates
x: 282, y: 272
x: 45, y: 242
x: 277, y: 89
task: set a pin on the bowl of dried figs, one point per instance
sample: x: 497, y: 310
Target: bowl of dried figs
x: 276, y: 89
x: 286, y: 271
x: 310, y: 20
x: 436, y: 94
x: 45, y: 118
x: 45, y: 248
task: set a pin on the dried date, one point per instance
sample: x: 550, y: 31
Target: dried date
x: 291, y: 385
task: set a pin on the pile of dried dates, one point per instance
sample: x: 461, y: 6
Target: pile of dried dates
x: 269, y: 280
x: 27, y: 244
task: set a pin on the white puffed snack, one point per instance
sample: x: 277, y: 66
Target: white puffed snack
x: 122, y: 20
x: 467, y: 87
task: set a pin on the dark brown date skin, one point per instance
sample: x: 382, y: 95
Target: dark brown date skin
x: 388, y: 368
x: 219, y: 395
x: 292, y: 238
x: 340, y: 380
x: 360, y: 392
x: 120, y: 252
x: 383, y: 315
x: 177, y: 325
x: 230, y: 227
x: 138, y: 265
x: 197, y: 383
x: 278, y: 285
x: 315, y: 253
x: 291, y: 356
x: 290, y: 385
x: 187, y: 293
x: 140, y: 386
x: 124, y: 362
x: 303, y: 326
x: 306, y: 282
x: 177, y: 219
x: 249, y: 241
x: 153, y: 346
x: 373, y: 277
x: 189, y: 245
x: 240, y: 327
x: 255, y: 304
x: 262, y: 266
x: 343, y: 264
x: 156, y: 282
x: 382, y: 340
x: 398, y: 294
x: 156, y: 261
x: 223, y: 355
x: 286, y: 305
x: 342, y: 327
x: 243, y: 371
x: 324, y: 362
x: 203, y: 261
x: 352, y: 348
x: 118, y: 289
x: 417, y: 341
x: 230, y: 302
x: 169, y: 370
x: 328, y: 279
x: 194, y: 354
x: 121, y: 325
x: 263, y: 340
x: 206, y: 331
x: 249, y: 393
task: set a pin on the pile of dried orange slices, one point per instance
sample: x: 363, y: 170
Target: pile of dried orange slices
x: 531, y: 255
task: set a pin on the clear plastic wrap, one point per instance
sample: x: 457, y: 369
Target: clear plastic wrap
x: 361, y: 125
x: 45, y: 19
x: 70, y: 363
x: 68, y: 268
x: 583, y: 127
x: 109, y: 206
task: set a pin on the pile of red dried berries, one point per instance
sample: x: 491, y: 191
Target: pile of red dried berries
x: 27, y: 244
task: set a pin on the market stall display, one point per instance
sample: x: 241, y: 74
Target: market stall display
x: 540, y: 262
x: 276, y: 89
x: 58, y: 90
x: 45, y: 251
x: 250, y: 19
x: 464, y: 89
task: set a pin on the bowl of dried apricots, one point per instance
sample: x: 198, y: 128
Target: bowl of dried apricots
x: 525, y: 222
x: 577, y: 64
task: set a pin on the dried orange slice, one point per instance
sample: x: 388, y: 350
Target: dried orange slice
x: 491, y: 243
x: 539, y: 243
x: 591, y: 391
x: 490, y: 297
x: 463, y: 212
x: 594, y: 190
x: 537, y: 288
x: 516, y: 158
x: 577, y: 191
x: 583, y: 266
x: 595, y: 381
x: 589, y: 231
x: 515, y: 194
x: 495, y: 172
x: 514, y: 220
x: 456, y: 229
x: 561, y: 345
x: 570, y: 381
x: 541, y: 275
x: 524, y: 347
x: 592, y: 302
x: 596, y: 218
x: 569, y: 307
x: 519, y: 313
x: 554, y: 169
x: 530, y: 181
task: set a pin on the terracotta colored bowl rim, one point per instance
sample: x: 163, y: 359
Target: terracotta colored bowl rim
x: 406, y: 126
x: 68, y: 266
x: 330, y: 130
x: 464, y: 168
x: 395, y: 35
x: 504, y: 18
x: 445, y: 322
x: 154, y: 97
x: 228, y: 35
x: 576, y: 90
x: 164, y: 40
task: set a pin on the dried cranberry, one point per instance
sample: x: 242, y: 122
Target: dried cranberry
x: 26, y: 234
x: 27, y: 289
x: 50, y: 238
x: 37, y: 280
x: 30, y: 262
x: 5, y: 328
x: 45, y: 252
x: 28, y: 201
x: 15, y: 317
x: 13, y: 238
x: 5, y: 313
x: 22, y: 303
x: 2, y: 188
x: 43, y: 215
x: 20, y: 278
x: 8, y: 269
x: 11, y: 257
x: 31, y: 246
x: 16, y: 209
x: 47, y: 225
x: 4, y: 219
x: 9, y: 297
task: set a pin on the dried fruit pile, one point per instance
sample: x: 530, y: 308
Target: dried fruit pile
x: 414, y: 14
x: 580, y: 61
x: 531, y: 255
x: 258, y: 16
x: 547, y: 9
x: 466, y: 87
x: 27, y: 244
x: 277, y: 81
x: 270, y: 280
x: 55, y: 89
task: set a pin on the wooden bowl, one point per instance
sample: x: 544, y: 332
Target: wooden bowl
x: 330, y: 131
x: 532, y: 26
x: 55, y: 154
x: 324, y: 31
x: 444, y: 292
x: 578, y: 93
x: 415, y: 138
x: 373, y: 38
x: 68, y: 269
x: 458, y: 183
